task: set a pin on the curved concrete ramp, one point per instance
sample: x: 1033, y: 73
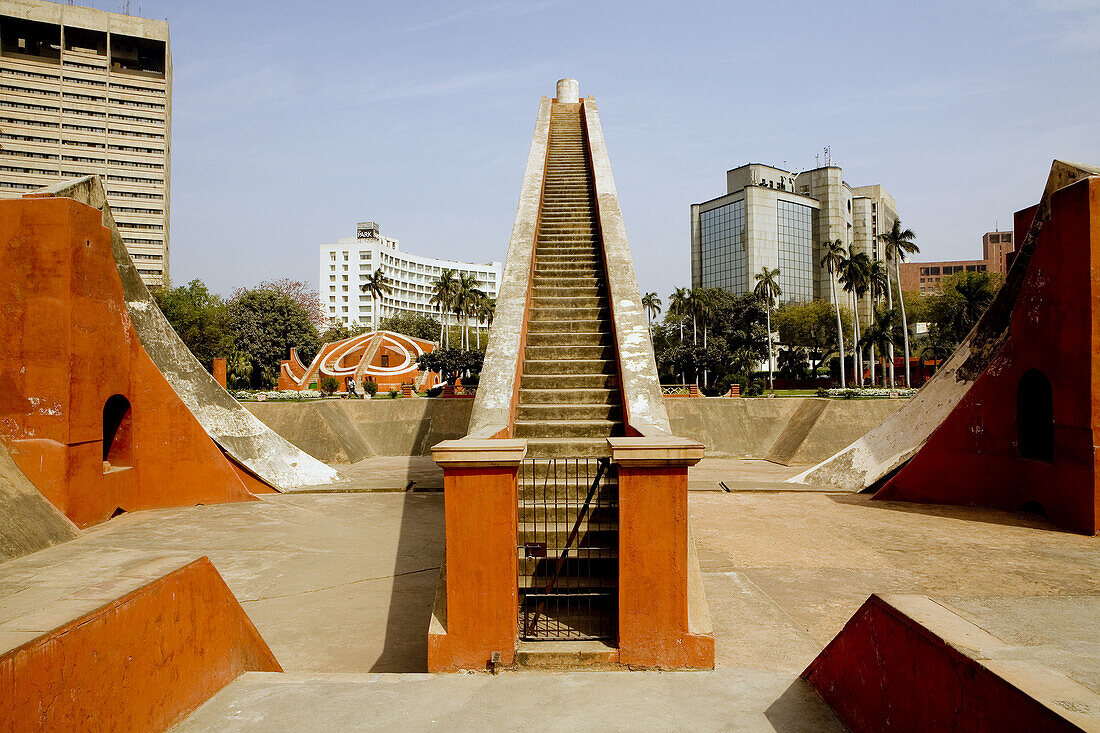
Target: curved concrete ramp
x: 900, y: 436
x: 28, y: 521
x: 251, y: 444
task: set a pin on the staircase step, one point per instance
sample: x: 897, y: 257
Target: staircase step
x: 567, y: 411
x: 586, y: 390
x: 567, y: 447
x: 561, y: 428
x: 569, y: 366
x: 594, y: 338
x: 540, y: 353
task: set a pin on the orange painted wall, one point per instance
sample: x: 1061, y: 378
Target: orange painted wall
x: 140, y: 663
x: 653, y: 568
x: 69, y: 346
x: 973, y: 457
x: 219, y: 372
x: 482, y: 564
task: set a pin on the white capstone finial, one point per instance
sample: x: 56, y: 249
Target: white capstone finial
x: 569, y: 91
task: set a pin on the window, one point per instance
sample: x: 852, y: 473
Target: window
x: 795, y: 234
x: 721, y: 233
x: 1035, y: 417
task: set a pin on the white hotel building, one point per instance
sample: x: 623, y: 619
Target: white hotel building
x: 348, y: 264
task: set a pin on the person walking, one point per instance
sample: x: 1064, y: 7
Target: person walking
x: 352, y: 394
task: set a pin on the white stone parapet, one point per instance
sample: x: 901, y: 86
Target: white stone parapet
x: 569, y: 91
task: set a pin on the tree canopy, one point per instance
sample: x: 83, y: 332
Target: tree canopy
x: 266, y: 324
x: 200, y: 317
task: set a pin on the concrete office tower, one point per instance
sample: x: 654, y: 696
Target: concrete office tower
x: 347, y: 264
x: 996, y: 247
x: 84, y: 92
x: 772, y: 217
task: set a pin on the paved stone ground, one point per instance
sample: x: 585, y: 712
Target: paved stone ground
x: 343, y: 583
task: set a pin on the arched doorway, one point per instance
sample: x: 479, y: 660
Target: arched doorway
x: 117, y: 433
x: 1035, y: 417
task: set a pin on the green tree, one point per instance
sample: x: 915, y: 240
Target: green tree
x: 378, y: 285
x: 854, y: 273
x: 443, y: 293
x: 811, y: 328
x: 899, y: 244
x: 768, y: 290
x: 878, y: 283
x: 200, y: 318
x: 965, y: 297
x: 265, y: 324
x: 832, y: 260
x: 416, y: 325
x: 651, y: 302
x: 338, y: 331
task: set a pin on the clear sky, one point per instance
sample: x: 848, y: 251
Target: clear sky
x: 294, y: 120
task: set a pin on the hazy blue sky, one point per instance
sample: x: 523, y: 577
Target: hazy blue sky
x: 294, y: 120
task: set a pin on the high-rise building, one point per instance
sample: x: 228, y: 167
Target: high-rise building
x: 774, y: 218
x: 346, y: 265
x: 996, y: 247
x: 82, y: 92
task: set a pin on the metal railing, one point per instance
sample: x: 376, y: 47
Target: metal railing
x: 568, y: 569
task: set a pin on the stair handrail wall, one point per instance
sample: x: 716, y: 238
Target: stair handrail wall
x: 498, y: 390
x: 643, y: 405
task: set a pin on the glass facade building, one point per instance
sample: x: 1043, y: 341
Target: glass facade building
x: 722, y: 246
x: 794, y: 226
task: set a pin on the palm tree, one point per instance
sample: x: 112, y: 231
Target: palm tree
x: 882, y: 330
x: 442, y: 294
x: 899, y: 245
x: 853, y: 276
x: 652, y: 304
x: 768, y: 290
x: 678, y: 303
x: 377, y: 285
x: 702, y: 300
x: 466, y: 295
x: 878, y: 282
x: 832, y: 259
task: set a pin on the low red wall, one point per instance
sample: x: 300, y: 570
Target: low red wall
x: 69, y: 348
x: 139, y: 663
x: 883, y: 671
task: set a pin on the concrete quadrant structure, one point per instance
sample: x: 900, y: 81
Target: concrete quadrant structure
x: 388, y: 359
x: 566, y: 505
x: 88, y: 92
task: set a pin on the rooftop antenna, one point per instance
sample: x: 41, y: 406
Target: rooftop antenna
x: 828, y: 156
x: 817, y: 160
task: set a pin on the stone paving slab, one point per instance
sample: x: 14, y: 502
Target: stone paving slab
x: 743, y: 700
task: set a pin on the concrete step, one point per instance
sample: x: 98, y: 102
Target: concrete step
x: 541, y: 508
x: 572, y: 269
x: 570, y: 352
x: 563, y: 428
x: 593, y: 290
x: 569, y: 366
x: 569, y: 381
x: 590, y: 315
x: 594, y: 338
x: 578, y: 395
x: 567, y: 655
x: 554, y: 536
x: 591, y: 301
x: 567, y: 447
x: 567, y: 411
x: 559, y: 325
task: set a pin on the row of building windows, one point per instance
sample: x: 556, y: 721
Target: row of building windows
x: 796, y: 264
x: 81, y: 80
x: 951, y: 269
x: 721, y: 232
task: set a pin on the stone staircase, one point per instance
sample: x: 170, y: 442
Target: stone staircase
x: 569, y: 404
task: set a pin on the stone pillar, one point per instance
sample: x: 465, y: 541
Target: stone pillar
x: 219, y: 371
x: 661, y: 624
x: 477, y: 604
x: 569, y: 91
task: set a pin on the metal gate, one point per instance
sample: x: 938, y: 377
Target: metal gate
x: 568, y: 531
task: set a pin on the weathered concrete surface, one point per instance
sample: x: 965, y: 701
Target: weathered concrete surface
x: 247, y: 440
x: 347, y: 431
x: 740, y: 700
x: 896, y: 440
x: 492, y: 410
x: 28, y: 521
x: 753, y: 428
x: 644, y: 408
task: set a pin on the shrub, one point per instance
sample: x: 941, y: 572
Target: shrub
x: 822, y: 392
x: 329, y: 386
x: 435, y: 391
x: 370, y: 387
x: 393, y: 394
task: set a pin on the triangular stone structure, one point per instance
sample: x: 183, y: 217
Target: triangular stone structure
x: 1024, y: 435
